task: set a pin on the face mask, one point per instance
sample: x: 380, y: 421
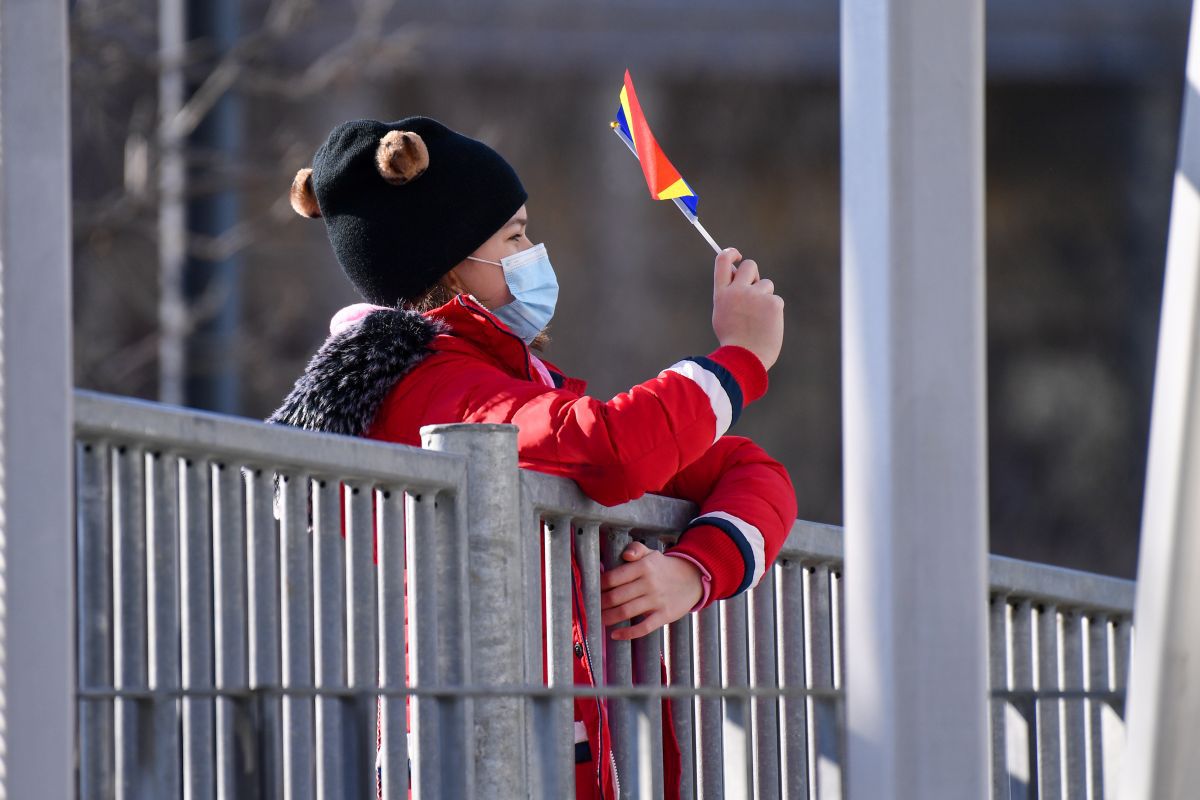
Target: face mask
x: 534, y: 288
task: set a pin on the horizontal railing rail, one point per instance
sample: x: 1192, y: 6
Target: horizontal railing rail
x: 259, y: 608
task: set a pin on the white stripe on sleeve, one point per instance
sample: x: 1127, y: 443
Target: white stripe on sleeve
x: 721, y: 407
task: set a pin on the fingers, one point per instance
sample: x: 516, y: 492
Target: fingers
x: 723, y: 268
x: 635, y: 551
x: 639, y: 605
x: 766, y: 285
x: 621, y: 594
x: 747, y: 272
x: 618, y: 576
x: 648, y: 625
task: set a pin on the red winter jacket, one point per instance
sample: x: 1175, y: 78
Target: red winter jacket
x: 459, y: 363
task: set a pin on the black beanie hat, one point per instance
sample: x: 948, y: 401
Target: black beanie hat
x: 404, y: 202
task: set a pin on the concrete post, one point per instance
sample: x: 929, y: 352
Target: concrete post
x: 1164, y: 700
x: 914, y: 404
x: 497, y: 613
x: 36, y: 555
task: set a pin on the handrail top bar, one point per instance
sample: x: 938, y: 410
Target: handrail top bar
x: 184, y: 430
x: 188, y: 431
x: 1059, y: 586
x: 814, y: 542
x: 554, y: 496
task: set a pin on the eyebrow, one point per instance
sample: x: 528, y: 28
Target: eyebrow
x: 518, y: 221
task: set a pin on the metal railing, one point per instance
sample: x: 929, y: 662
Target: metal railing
x: 243, y: 593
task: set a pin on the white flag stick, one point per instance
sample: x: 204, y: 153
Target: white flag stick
x: 683, y: 209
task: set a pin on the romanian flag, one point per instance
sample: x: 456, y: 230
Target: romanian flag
x: 663, y: 179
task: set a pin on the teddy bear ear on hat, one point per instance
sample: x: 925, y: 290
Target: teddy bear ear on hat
x: 302, y: 195
x: 401, y: 157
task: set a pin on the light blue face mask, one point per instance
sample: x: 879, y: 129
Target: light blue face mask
x: 534, y: 288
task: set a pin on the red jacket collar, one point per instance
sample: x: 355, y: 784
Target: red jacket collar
x: 477, y: 330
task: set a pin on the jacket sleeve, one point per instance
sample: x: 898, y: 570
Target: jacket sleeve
x: 616, y: 450
x: 747, y: 507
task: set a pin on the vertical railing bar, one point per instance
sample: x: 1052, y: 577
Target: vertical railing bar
x: 264, y: 621
x: 683, y: 710
x: 234, y: 770
x: 619, y: 666
x: 423, y: 590
x: 587, y: 557
x: 329, y: 643
x: 1122, y: 647
x: 790, y: 600
x: 710, y: 760
x: 163, y: 640
x: 297, y: 652
x: 587, y: 554
x: 736, y: 667
x: 94, y: 615
x: 1097, y: 680
x: 545, y: 769
x: 826, y: 760
x: 129, y: 611
x: 560, y: 665
x: 1074, y: 721
x: 837, y: 623
x: 764, y: 711
x: 361, y: 630
x: 1050, y: 774
x: 998, y: 656
x: 457, y: 722
x: 538, y: 769
x: 543, y: 764
x: 199, y: 752
x: 1023, y: 638
x: 646, y: 655
x: 392, y: 770
x: 837, y: 706
x: 1117, y: 738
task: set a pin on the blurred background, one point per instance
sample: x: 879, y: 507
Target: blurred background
x: 195, y: 282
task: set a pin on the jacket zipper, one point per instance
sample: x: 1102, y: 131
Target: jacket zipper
x: 587, y: 652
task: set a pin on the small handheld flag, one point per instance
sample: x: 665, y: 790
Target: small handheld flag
x: 663, y: 180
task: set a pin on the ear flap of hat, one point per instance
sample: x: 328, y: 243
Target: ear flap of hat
x: 303, y: 197
x: 401, y: 157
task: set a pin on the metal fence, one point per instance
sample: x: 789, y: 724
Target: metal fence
x: 243, y: 594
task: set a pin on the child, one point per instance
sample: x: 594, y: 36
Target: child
x: 430, y: 227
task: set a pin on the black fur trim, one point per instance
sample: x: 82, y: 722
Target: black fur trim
x: 348, y: 379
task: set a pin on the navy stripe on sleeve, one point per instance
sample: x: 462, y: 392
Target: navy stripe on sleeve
x: 743, y: 547
x: 728, y: 383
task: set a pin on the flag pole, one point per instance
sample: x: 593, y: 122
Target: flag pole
x: 692, y: 218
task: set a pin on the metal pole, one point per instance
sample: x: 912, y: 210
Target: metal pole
x: 498, y: 614
x: 1164, y: 700
x: 914, y: 405
x: 36, y: 562
x: 172, y: 213
x: 211, y: 284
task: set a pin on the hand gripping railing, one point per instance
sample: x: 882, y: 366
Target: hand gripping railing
x: 243, y: 593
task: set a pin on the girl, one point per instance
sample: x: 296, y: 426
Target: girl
x: 431, y: 228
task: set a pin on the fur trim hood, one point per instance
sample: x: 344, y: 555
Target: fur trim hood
x: 348, y: 379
